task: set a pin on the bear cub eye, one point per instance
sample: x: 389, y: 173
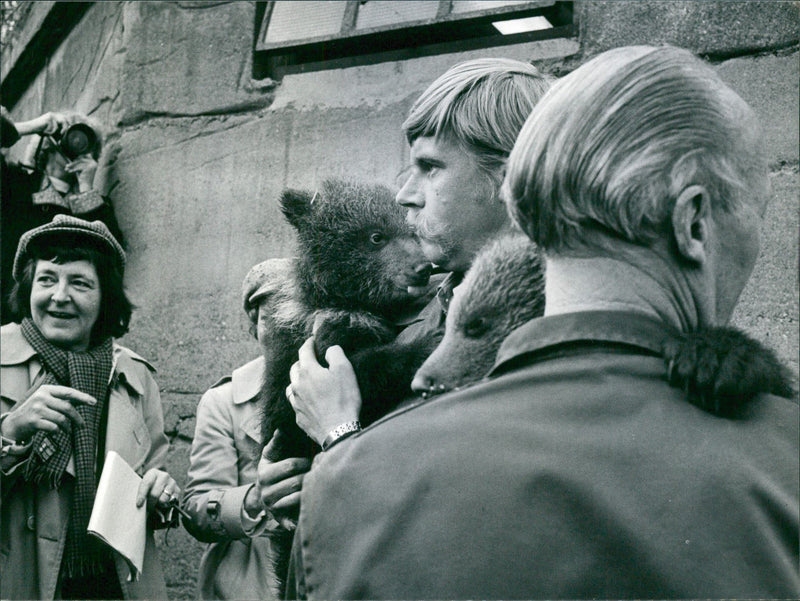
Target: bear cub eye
x: 377, y: 238
x: 476, y: 327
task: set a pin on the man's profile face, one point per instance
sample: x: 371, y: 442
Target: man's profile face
x: 451, y: 203
x: 266, y: 329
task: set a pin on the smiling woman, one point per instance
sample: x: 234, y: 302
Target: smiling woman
x: 69, y: 395
x: 65, y: 302
x: 65, y: 269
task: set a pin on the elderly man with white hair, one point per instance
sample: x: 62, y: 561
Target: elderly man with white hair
x: 576, y: 471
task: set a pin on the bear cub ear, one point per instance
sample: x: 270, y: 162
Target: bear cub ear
x: 296, y: 205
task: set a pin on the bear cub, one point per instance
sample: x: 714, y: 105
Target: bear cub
x: 721, y: 369
x: 359, y: 269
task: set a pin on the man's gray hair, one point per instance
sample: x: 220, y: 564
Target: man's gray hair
x: 613, y: 144
x: 482, y: 104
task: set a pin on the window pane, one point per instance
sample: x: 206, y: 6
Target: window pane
x: 468, y: 6
x: 378, y: 13
x: 297, y: 20
x: 513, y: 26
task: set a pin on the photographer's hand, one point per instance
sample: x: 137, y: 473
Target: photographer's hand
x: 47, y: 124
x: 84, y: 167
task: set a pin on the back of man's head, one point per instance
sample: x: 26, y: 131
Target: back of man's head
x: 612, y: 146
x: 482, y: 104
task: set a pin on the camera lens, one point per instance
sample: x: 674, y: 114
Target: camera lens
x: 79, y: 139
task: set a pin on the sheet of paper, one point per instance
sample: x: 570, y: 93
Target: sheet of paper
x: 115, y: 518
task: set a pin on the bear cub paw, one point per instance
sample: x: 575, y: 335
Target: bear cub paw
x: 350, y: 330
x: 723, y: 370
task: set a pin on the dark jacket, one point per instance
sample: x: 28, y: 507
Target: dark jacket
x: 576, y: 472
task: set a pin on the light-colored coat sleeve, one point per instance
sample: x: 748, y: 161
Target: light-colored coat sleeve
x: 154, y: 421
x: 30, y: 554
x: 220, y: 474
x: 135, y: 408
x: 135, y: 404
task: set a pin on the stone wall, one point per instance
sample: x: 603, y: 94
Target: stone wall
x: 202, y: 152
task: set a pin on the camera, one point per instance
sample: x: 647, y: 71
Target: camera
x: 77, y: 140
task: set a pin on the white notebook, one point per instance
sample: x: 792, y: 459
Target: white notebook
x: 115, y: 518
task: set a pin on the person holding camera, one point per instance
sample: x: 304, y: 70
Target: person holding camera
x: 57, y: 177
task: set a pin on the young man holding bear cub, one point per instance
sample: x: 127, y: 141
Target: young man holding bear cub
x: 461, y: 131
x: 576, y: 471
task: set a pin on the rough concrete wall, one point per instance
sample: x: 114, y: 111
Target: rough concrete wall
x: 203, y: 153
x: 84, y: 74
x: 188, y: 58
x: 768, y: 307
x: 711, y: 28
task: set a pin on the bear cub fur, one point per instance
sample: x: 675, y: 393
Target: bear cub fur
x: 721, y: 369
x: 356, y: 259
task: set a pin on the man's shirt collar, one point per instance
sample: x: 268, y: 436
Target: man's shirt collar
x: 568, y: 329
x: 444, y: 293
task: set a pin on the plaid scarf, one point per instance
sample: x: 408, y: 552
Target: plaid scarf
x: 50, y: 452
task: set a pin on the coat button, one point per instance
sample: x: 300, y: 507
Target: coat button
x: 31, y: 523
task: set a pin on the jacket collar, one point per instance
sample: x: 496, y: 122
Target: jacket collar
x: 444, y: 293
x: 17, y: 351
x: 417, y: 310
x: 620, y: 327
x: 246, y: 381
x: 125, y: 368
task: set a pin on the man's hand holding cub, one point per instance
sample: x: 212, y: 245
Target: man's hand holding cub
x: 323, y: 398
x: 279, y: 485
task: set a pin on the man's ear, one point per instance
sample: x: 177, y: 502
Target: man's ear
x: 500, y: 180
x: 691, y: 222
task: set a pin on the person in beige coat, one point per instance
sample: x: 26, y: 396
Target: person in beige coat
x: 70, y: 395
x: 222, y: 495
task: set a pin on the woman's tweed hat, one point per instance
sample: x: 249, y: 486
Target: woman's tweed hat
x: 75, y: 231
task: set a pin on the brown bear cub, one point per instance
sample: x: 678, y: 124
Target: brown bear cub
x: 359, y: 270
x: 721, y: 369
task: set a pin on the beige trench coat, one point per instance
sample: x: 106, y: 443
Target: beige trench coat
x: 34, y: 519
x: 223, y: 466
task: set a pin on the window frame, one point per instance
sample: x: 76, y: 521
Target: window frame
x: 447, y: 32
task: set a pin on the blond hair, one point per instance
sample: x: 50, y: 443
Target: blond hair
x: 482, y: 104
